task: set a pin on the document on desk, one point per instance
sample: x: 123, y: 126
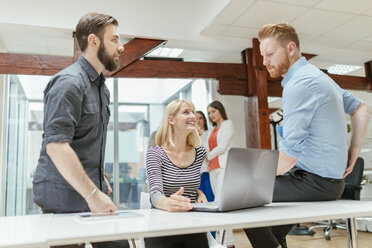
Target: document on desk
x: 108, y: 215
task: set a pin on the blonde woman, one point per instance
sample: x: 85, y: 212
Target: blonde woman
x: 173, y: 170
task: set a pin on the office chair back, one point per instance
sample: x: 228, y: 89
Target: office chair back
x: 353, y: 181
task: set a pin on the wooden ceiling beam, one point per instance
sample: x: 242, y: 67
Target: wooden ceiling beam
x: 308, y: 56
x: 228, y: 74
x: 178, y: 69
x: 352, y: 82
x: 134, y: 50
x: 344, y: 81
x: 368, y: 70
x: 232, y: 77
x: 11, y: 63
x: 232, y: 86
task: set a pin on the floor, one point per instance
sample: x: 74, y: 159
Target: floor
x: 338, y: 239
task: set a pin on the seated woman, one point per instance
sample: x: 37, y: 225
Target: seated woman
x: 173, y: 170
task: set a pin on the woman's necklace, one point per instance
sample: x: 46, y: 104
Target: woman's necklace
x: 183, y: 159
x: 183, y: 163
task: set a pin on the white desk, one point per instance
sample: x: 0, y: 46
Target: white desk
x: 68, y: 229
x: 25, y: 231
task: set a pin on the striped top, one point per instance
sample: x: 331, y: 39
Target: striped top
x: 165, y: 178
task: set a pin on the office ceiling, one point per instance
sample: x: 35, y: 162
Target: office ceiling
x: 339, y: 31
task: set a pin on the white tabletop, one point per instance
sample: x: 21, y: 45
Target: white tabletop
x: 25, y: 231
x: 60, y: 229
x: 69, y: 229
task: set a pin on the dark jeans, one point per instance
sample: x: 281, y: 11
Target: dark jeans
x: 295, y: 185
x: 197, y: 240
x: 58, y: 198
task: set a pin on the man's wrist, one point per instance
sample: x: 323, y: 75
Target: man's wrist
x: 91, y: 194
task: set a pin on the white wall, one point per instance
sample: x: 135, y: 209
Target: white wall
x: 155, y: 115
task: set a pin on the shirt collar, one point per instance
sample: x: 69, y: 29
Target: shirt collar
x: 92, y: 73
x: 299, y: 63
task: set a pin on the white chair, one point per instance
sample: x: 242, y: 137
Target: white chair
x: 144, y: 204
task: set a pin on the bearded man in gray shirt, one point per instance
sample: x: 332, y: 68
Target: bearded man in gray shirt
x: 69, y: 177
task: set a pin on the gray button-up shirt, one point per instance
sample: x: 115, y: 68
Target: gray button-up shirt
x: 76, y: 110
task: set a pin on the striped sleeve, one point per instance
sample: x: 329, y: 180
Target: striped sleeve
x: 154, y: 175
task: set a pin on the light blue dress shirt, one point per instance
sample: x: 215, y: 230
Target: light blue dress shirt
x: 314, y: 125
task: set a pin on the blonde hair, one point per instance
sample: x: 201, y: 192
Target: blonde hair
x: 282, y: 32
x: 165, y: 135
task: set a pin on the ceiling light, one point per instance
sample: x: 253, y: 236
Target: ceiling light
x: 342, y: 69
x: 175, y: 52
x: 166, y: 52
x: 155, y: 52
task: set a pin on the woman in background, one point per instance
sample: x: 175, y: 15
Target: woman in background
x: 173, y: 171
x: 205, y: 184
x: 202, y: 126
x: 219, y: 141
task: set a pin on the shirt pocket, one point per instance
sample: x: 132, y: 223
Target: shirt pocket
x: 91, y: 108
x: 90, y: 114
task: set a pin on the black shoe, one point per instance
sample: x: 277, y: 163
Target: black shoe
x: 283, y: 244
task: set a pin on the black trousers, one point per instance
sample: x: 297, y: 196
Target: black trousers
x: 57, y: 198
x: 295, y: 185
x: 197, y: 240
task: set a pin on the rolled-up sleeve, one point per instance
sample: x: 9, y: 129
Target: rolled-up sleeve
x: 299, y: 108
x: 62, y: 109
x: 350, y: 102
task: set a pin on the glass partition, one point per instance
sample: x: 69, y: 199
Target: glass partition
x: 139, y: 108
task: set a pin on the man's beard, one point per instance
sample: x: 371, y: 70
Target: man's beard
x: 281, y: 69
x: 108, y: 62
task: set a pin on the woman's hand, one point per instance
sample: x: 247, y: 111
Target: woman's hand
x: 176, y: 202
x: 201, y: 198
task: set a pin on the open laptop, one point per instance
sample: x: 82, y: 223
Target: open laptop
x: 248, y: 181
